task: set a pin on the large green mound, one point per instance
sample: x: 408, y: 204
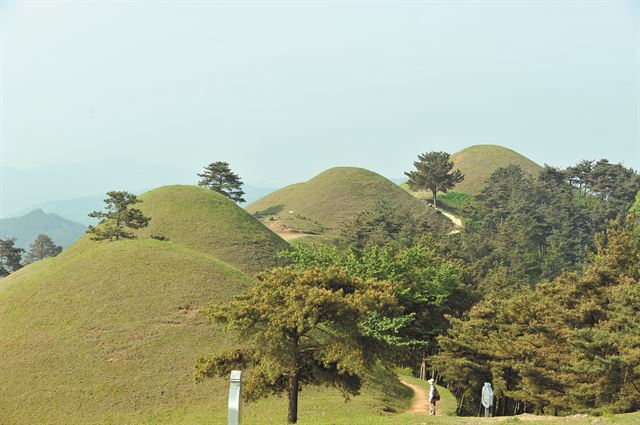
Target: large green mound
x: 333, y: 198
x: 478, y: 162
x: 208, y: 222
x: 109, y: 330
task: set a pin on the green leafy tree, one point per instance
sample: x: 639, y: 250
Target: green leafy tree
x: 218, y: 176
x: 119, y: 216
x: 42, y: 247
x: 425, y: 286
x: 10, y: 257
x: 434, y: 172
x: 299, y: 327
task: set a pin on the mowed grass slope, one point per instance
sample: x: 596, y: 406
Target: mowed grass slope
x: 334, y: 198
x: 208, y: 222
x: 478, y: 162
x: 109, y: 331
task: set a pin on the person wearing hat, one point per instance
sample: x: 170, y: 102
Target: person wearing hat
x: 434, y: 396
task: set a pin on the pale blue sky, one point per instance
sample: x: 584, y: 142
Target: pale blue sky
x: 283, y: 90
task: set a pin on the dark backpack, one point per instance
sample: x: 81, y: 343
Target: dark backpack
x: 436, y: 394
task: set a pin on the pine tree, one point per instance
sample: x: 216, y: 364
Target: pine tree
x: 218, y: 176
x: 42, y: 247
x: 635, y: 208
x: 10, y: 257
x: 433, y: 172
x: 118, y: 217
x: 299, y: 327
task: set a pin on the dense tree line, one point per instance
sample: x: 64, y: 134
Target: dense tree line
x: 571, y: 344
x: 553, y: 263
x: 521, y: 229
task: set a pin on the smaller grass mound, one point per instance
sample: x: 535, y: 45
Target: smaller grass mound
x: 478, y: 162
x: 208, y: 222
x: 333, y: 198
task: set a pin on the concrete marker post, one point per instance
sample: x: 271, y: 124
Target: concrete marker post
x: 235, y: 397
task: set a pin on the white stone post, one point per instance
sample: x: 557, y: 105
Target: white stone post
x: 235, y: 392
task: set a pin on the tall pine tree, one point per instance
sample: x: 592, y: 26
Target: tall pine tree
x: 219, y: 177
x: 119, y: 216
x: 433, y: 172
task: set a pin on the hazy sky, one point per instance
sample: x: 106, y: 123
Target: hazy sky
x: 285, y: 89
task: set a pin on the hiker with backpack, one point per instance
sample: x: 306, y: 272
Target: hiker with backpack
x: 434, y: 396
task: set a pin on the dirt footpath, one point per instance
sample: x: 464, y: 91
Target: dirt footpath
x: 419, y: 402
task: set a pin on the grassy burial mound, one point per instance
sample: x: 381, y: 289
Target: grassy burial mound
x: 208, y: 222
x: 333, y: 198
x: 478, y: 162
x: 108, y: 331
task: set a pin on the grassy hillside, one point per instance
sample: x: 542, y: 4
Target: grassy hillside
x: 478, y: 162
x: 108, y: 333
x: 331, y: 199
x: 27, y: 227
x: 208, y: 222
x: 107, y: 330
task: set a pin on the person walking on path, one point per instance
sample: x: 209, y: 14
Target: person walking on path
x: 434, y: 396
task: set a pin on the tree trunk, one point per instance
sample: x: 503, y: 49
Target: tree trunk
x: 459, y: 408
x: 423, y: 369
x: 294, y: 382
x: 435, y: 205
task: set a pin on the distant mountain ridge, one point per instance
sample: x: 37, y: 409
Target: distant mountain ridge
x: 27, y: 227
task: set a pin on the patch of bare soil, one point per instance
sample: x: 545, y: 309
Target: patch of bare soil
x: 283, y: 230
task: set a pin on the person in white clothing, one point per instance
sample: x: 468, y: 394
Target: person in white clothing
x: 433, y: 397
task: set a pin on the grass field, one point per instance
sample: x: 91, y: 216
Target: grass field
x: 334, y: 198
